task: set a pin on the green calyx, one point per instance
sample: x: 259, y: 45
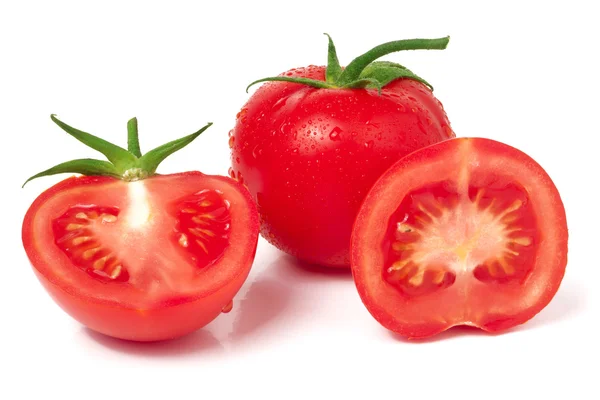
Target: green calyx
x: 364, y: 71
x: 128, y: 165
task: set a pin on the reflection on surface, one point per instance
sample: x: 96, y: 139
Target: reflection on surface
x: 282, y: 293
x: 286, y: 298
x: 265, y: 300
x: 277, y: 296
x: 201, y: 341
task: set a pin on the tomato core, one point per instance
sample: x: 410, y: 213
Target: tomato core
x: 446, y: 232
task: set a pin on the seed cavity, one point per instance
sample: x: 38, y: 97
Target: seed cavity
x: 203, y: 226
x: 445, y: 231
x: 75, y: 234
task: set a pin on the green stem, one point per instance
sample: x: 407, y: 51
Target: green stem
x: 305, y: 81
x: 333, y: 64
x: 354, y: 69
x: 133, y: 140
x: 128, y: 165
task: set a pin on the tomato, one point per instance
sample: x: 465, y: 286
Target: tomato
x: 147, y: 259
x: 464, y: 232
x: 310, y: 154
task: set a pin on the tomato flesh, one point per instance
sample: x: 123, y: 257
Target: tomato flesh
x: 146, y: 260
x: 476, y: 235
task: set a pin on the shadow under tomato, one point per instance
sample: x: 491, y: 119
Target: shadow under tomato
x: 567, y: 302
x: 276, y: 297
x: 195, y: 342
x: 312, y: 271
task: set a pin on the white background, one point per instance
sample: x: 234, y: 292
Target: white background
x: 524, y: 73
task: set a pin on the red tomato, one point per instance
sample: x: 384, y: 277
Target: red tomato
x: 464, y: 232
x: 146, y: 260
x: 309, y: 155
x: 143, y: 260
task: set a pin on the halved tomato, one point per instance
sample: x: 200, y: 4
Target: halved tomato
x: 468, y: 231
x: 137, y: 255
x: 146, y: 260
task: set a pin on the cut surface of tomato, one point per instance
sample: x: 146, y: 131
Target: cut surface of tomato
x: 145, y: 260
x: 475, y: 234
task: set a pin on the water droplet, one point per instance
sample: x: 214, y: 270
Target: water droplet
x: 335, y: 133
x: 379, y: 136
x: 369, y: 144
x: 279, y: 104
x: 286, y: 129
x: 228, y: 307
x: 242, y: 112
x: 231, y: 172
x: 231, y: 141
x: 257, y: 151
x: 295, y: 151
x: 448, y: 131
x: 230, y: 134
x: 401, y: 108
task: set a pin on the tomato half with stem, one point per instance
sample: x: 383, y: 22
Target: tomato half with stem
x: 149, y: 258
x: 474, y: 233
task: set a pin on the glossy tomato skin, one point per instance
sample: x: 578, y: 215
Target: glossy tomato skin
x: 309, y: 156
x: 492, y: 306
x: 128, y: 312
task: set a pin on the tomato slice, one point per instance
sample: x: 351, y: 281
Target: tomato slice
x: 146, y: 260
x: 475, y: 233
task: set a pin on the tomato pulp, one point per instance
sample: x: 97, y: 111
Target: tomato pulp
x: 475, y: 233
x: 146, y: 260
x: 309, y: 155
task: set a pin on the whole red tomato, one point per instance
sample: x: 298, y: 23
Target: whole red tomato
x: 311, y: 143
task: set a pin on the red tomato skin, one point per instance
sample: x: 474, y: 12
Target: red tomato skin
x: 382, y: 301
x: 309, y: 156
x: 169, y: 320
